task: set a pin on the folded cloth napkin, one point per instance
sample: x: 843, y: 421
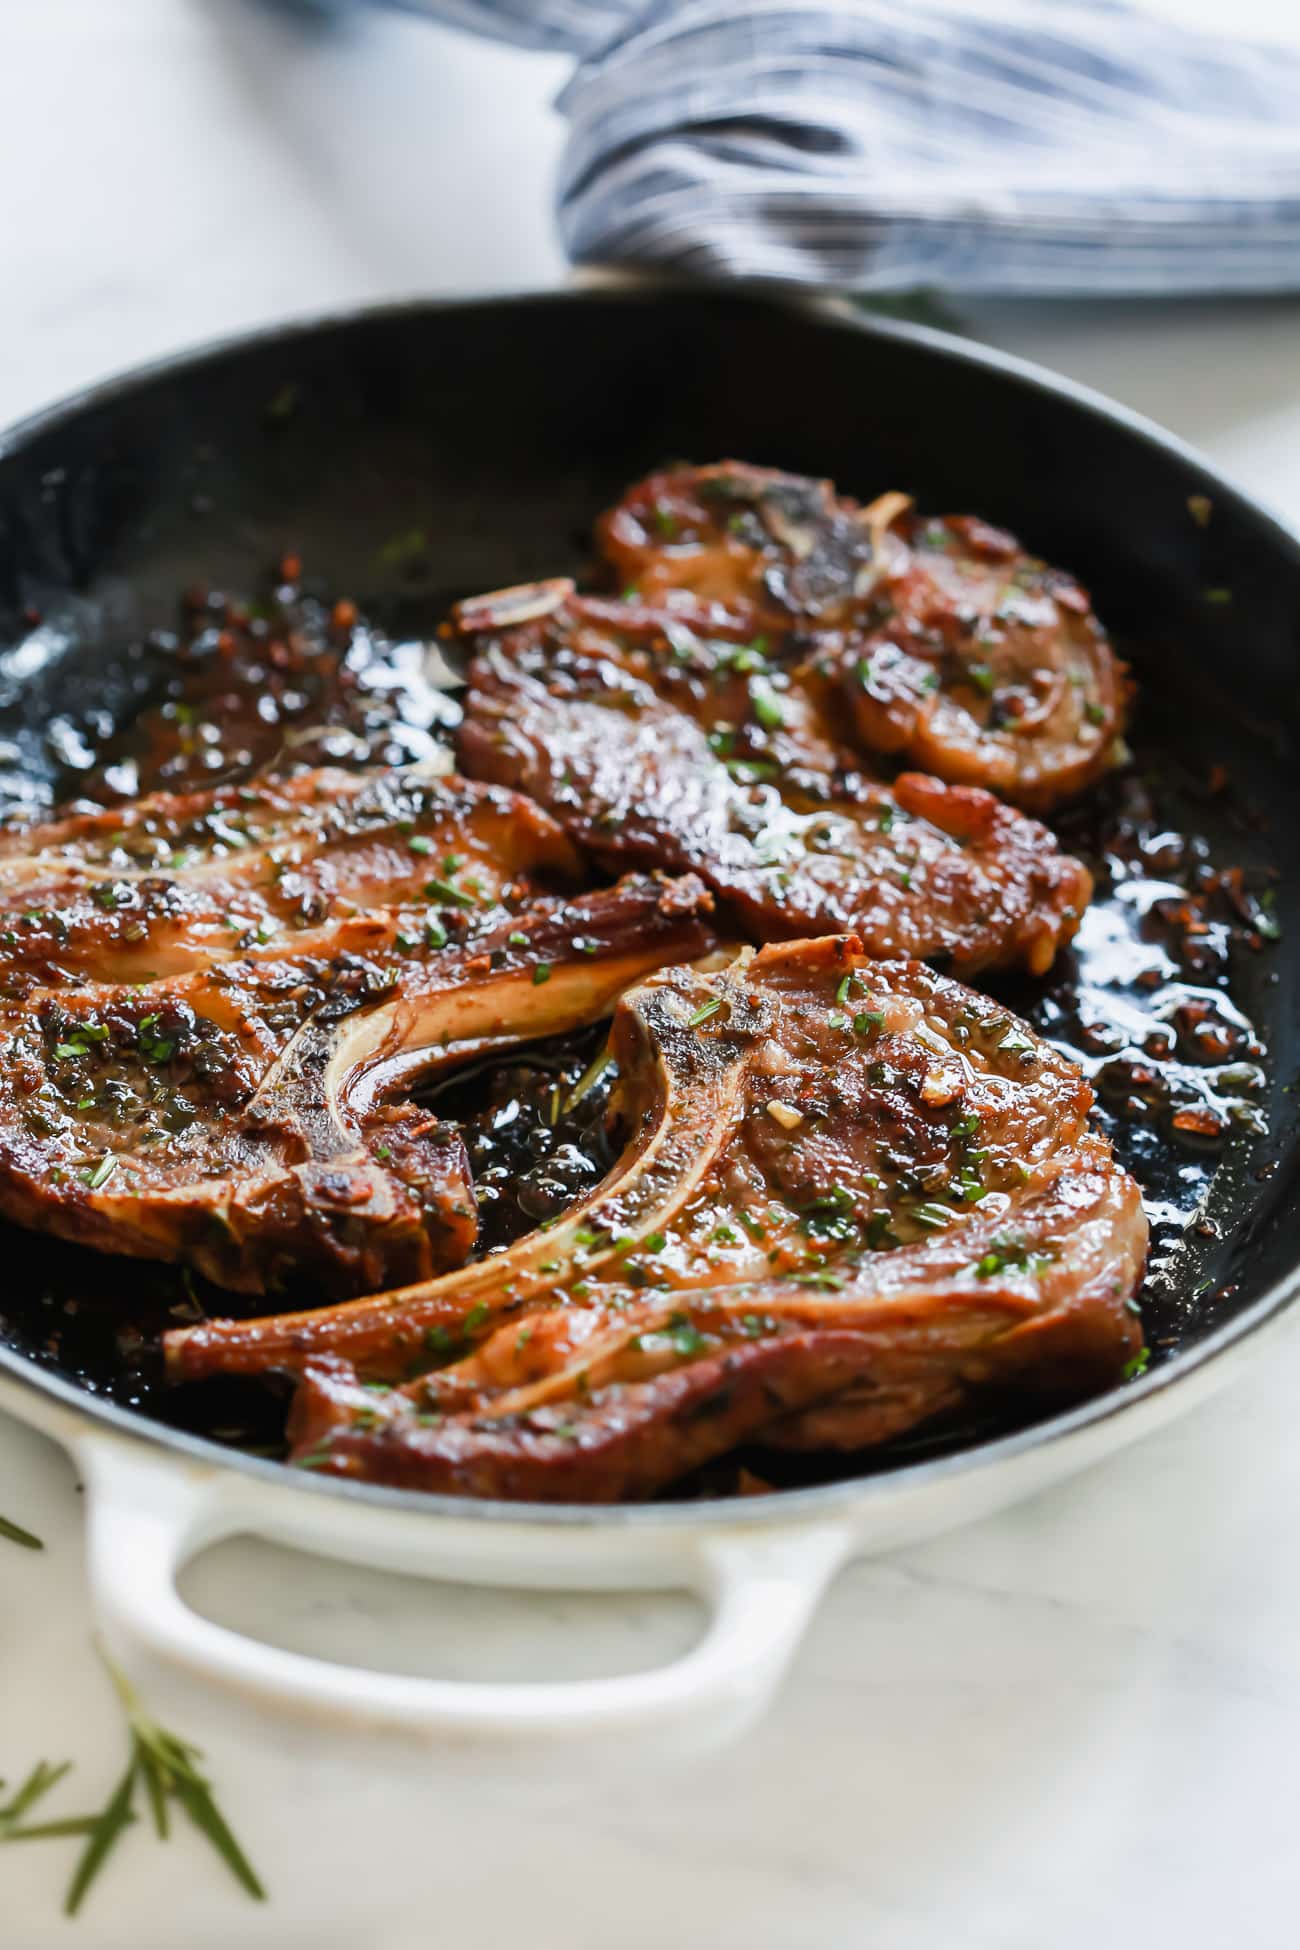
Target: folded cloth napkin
x: 1013, y: 146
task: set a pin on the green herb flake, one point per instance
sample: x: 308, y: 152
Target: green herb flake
x: 15, y: 1534
x: 442, y: 890
x: 765, y: 704
x: 705, y: 1010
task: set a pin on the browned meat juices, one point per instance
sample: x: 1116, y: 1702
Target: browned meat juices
x: 806, y: 741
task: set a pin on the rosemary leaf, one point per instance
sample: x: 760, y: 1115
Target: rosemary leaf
x: 44, y: 1831
x: 195, y: 1796
x: 169, y: 1766
x: 17, y: 1535
x: 41, y: 1779
x: 155, y: 1786
x: 103, y: 1833
x: 587, y: 1082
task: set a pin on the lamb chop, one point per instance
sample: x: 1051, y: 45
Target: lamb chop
x: 853, y: 1196
x: 947, y: 645
x: 208, y: 1001
x: 183, y: 881
x: 664, y: 737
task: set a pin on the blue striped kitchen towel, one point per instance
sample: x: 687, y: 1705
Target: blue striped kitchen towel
x: 1012, y: 146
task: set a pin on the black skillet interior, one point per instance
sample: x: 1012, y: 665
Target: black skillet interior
x: 497, y: 430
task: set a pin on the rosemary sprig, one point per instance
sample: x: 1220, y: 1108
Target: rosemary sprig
x: 17, y: 1535
x: 41, y: 1779
x: 167, y: 1769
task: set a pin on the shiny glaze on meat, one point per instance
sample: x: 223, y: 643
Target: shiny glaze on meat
x: 852, y: 1193
x: 176, y: 882
x: 198, y: 1000
x: 946, y: 646
x: 655, y: 738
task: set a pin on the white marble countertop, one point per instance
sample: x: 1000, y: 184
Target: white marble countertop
x: 1079, y: 1721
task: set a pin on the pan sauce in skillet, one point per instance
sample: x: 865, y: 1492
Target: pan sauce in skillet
x: 1144, y: 1001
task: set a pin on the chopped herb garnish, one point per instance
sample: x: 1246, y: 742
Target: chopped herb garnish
x: 442, y: 890
x: 542, y: 973
x: 687, y: 1338
x: 587, y: 1082
x: 101, y: 1173
x: 1004, y: 1253
x: 766, y: 704
x: 702, y: 1014
x: 1139, y: 1364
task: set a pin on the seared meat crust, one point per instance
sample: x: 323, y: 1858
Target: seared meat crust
x: 204, y: 1003
x: 183, y: 881
x: 658, y: 738
x: 853, y: 1195
x: 946, y: 645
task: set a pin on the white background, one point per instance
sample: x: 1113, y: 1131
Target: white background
x: 1077, y: 1723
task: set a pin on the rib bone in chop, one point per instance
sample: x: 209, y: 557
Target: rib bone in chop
x: 853, y: 1195
x: 331, y: 938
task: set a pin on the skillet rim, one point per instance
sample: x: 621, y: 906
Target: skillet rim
x: 747, y: 1512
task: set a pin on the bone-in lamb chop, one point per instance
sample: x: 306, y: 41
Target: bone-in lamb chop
x: 671, y: 737
x: 208, y: 1002
x: 182, y: 881
x: 853, y: 1196
x: 947, y: 646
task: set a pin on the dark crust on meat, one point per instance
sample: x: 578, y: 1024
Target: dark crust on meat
x: 331, y: 937
x: 951, y: 649
x: 854, y: 1195
x: 610, y: 720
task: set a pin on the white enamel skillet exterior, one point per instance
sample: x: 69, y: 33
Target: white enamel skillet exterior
x: 156, y: 1497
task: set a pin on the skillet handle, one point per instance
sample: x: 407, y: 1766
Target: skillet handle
x: 761, y: 1587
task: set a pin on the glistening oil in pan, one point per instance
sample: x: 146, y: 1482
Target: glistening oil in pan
x: 1157, y: 1000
